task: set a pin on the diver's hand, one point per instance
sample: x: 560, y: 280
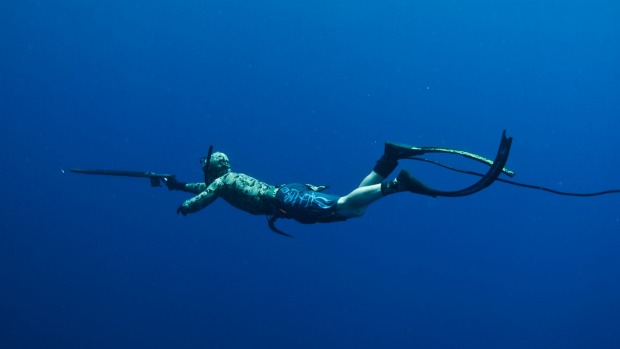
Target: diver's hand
x: 173, y: 184
x: 182, y: 210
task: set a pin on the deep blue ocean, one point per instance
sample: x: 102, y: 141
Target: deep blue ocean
x: 308, y: 91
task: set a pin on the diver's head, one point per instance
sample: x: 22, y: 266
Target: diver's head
x: 219, y: 165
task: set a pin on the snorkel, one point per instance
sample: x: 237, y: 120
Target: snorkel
x: 205, y: 161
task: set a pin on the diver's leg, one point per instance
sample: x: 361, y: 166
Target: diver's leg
x: 373, y: 187
x: 372, y: 178
x: 384, y: 167
x: 356, y: 202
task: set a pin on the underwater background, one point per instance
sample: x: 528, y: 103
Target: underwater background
x: 308, y: 91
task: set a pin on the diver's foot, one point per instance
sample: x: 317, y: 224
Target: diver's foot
x: 398, y: 151
x: 407, y: 182
x: 391, y: 154
x: 403, y: 182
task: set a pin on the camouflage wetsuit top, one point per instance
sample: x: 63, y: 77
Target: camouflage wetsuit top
x: 238, y: 189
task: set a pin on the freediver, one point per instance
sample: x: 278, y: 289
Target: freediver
x: 307, y: 203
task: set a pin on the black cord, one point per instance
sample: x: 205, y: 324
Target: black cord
x: 530, y: 186
x: 205, y: 169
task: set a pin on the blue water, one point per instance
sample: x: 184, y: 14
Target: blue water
x: 308, y: 91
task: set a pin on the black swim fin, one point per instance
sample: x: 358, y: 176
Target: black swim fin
x: 498, y: 165
x: 408, y: 152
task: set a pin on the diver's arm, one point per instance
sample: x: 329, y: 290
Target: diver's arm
x: 194, y: 188
x: 202, y: 200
